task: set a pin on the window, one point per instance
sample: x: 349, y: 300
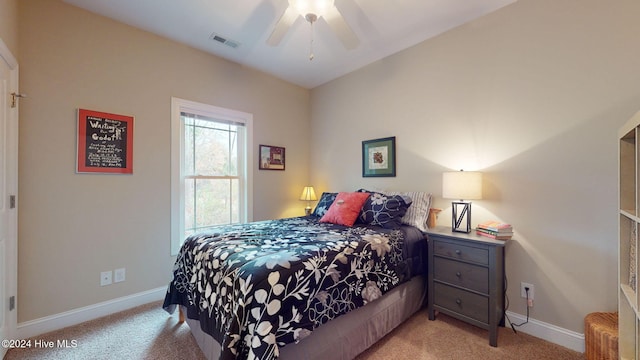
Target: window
x: 210, y: 172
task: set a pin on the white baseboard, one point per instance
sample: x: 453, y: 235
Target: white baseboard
x: 548, y: 332
x: 46, y: 324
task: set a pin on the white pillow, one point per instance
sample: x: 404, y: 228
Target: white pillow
x: 418, y: 213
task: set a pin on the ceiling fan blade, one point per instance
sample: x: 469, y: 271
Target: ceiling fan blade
x: 286, y: 20
x: 341, y: 28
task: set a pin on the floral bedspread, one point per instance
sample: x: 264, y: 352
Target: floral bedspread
x: 256, y: 287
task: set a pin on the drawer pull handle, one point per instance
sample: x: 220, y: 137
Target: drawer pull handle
x: 458, y: 301
x: 458, y: 252
x: 458, y: 274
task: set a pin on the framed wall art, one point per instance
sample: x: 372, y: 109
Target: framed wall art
x: 271, y: 157
x: 379, y: 157
x: 105, y: 143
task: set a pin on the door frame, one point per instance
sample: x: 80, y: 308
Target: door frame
x: 12, y: 184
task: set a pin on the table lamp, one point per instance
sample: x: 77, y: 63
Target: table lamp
x: 462, y: 185
x: 308, y: 194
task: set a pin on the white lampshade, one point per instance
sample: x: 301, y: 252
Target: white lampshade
x: 317, y: 7
x: 463, y: 185
x: 308, y: 194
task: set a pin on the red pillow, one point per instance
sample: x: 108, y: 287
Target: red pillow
x: 345, y: 208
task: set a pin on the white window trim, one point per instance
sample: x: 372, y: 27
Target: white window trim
x: 177, y: 143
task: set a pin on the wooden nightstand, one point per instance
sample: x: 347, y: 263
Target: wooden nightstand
x: 466, y: 278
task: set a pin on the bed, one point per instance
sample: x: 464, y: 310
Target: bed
x: 312, y: 287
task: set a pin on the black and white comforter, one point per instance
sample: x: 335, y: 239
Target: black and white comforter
x: 256, y: 287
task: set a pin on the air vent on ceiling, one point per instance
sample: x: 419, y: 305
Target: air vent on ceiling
x: 224, y: 40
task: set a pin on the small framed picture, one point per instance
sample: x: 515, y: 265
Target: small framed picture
x: 104, y: 143
x: 379, y: 157
x: 271, y: 157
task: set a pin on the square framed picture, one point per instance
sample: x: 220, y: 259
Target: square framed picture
x: 271, y: 157
x: 379, y: 157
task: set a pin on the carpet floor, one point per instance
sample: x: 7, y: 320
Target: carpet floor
x: 148, y: 332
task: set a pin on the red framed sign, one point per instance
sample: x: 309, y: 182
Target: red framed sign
x: 105, y: 143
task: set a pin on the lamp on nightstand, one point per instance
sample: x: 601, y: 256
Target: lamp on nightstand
x: 308, y: 194
x: 462, y: 185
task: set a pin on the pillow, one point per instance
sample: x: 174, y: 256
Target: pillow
x: 384, y: 210
x: 345, y: 209
x: 418, y: 213
x: 323, y: 205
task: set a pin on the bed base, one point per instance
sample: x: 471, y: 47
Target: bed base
x: 345, y: 337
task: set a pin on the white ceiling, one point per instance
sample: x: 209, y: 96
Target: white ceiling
x: 383, y: 27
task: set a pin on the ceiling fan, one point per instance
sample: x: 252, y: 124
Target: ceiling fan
x: 312, y: 10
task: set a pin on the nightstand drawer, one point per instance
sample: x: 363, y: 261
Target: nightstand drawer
x: 462, y: 252
x: 462, y: 302
x: 461, y: 274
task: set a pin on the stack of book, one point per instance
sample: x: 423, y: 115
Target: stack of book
x: 495, y: 230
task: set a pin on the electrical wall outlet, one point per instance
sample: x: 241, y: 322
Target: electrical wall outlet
x: 105, y: 278
x: 118, y: 275
x: 523, y: 291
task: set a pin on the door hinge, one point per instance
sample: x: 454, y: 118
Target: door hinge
x: 12, y: 303
x: 12, y: 201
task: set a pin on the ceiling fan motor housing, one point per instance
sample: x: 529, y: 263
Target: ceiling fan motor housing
x: 310, y: 17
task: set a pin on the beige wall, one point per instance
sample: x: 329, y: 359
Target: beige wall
x: 9, y: 24
x: 72, y: 226
x: 531, y: 95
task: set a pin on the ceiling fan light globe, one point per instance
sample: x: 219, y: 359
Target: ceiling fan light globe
x: 316, y: 7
